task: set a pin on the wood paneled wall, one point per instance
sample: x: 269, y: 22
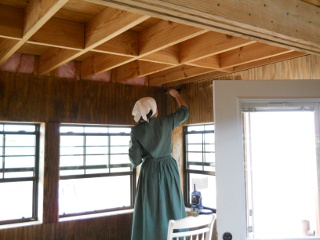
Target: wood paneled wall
x: 26, y: 97
x: 116, y: 227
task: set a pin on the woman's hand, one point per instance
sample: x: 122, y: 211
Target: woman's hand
x: 173, y: 92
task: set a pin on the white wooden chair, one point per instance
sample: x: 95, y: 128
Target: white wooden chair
x: 198, y: 227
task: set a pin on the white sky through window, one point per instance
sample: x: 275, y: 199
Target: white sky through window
x: 281, y: 173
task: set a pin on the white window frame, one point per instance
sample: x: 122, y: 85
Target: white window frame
x: 37, y: 178
x: 108, y: 166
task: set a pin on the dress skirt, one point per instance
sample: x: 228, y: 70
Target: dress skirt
x: 158, y: 199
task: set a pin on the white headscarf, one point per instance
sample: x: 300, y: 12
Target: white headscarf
x: 142, y: 107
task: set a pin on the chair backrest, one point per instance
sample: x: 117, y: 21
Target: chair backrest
x: 198, y: 227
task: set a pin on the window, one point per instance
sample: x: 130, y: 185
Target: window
x: 281, y: 170
x: 95, y: 171
x: 19, y: 172
x: 200, y: 163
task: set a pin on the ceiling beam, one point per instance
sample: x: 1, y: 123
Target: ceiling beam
x: 136, y: 69
x: 160, y: 36
x: 290, y: 24
x: 165, y: 34
x: 249, y: 54
x: 36, y: 14
x: 60, y: 33
x: 106, y: 25
x: 209, y: 44
x: 176, y: 74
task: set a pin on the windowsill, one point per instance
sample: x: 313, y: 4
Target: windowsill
x: 95, y: 215
x: 65, y: 219
x: 17, y: 225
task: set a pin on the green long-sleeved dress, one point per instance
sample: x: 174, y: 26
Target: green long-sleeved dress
x: 159, y: 196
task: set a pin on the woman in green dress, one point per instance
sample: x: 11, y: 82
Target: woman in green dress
x: 159, y: 196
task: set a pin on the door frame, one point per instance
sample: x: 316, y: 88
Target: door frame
x: 230, y: 175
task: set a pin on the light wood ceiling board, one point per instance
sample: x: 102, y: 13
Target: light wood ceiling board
x: 165, y: 34
x: 15, y: 3
x: 136, y: 69
x: 175, y: 74
x: 145, y: 24
x: 269, y: 60
x: 289, y: 23
x: 250, y: 53
x: 54, y: 58
x: 97, y: 31
x: 314, y: 2
x: 169, y: 55
x: 209, y: 44
x: 33, y: 49
x: 125, y: 44
x: 202, y: 77
x: 37, y: 13
x: 108, y: 24
x: 11, y: 22
x: 85, y: 55
x: 60, y: 33
x: 99, y: 63
x: 79, y: 11
x: 208, y: 62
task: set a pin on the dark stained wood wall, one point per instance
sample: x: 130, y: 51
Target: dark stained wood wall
x: 26, y: 97
x: 116, y: 227
x: 199, y: 97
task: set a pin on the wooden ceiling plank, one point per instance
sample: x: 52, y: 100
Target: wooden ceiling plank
x: 37, y: 13
x: 136, y: 69
x: 175, y: 74
x: 108, y: 24
x: 11, y: 22
x: 100, y: 29
x: 198, y: 78
x: 208, y: 62
x: 60, y: 33
x: 250, y: 53
x: 125, y: 44
x: 290, y: 24
x: 314, y: 2
x: 99, y: 63
x: 160, y: 36
x: 169, y: 55
x: 209, y: 44
x: 165, y: 34
x: 269, y: 60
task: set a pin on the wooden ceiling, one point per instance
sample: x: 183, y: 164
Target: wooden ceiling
x: 167, y: 42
